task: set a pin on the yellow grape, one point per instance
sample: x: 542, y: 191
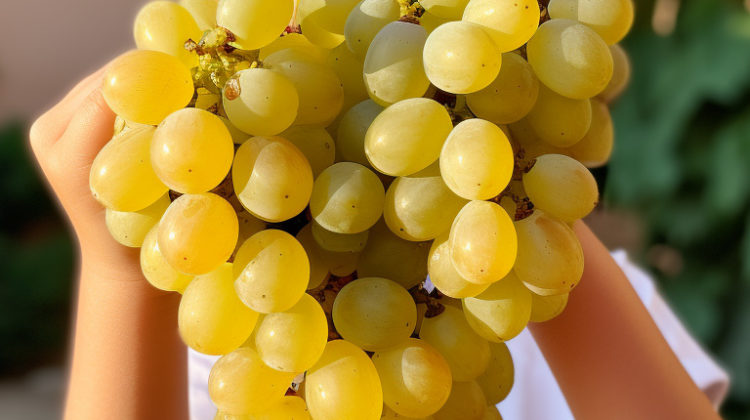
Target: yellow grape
x: 296, y: 42
x: 293, y: 340
x: 341, y: 264
x: 415, y: 377
x: 365, y: 21
x: 430, y: 21
x: 467, y: 353
x: 529, y: 143
x: 240, y: 383
x: 347, y: 198
x: 611, y: 19
x: 545, y: 308
x: 510, y: 96
x: 272, y: 178
x: 562, y: 187
x: 497, y: 381
x: 389, y: 414
x: 570, y: 58
x: 483, y: 242
x: 315, y: 143
x: 492, y: 413
x: 393, y: 66
x: 352, y: 129
x: 255, y: 23
x: 289, y: 408
x: 166, y: 26
x: 192, y: 151
x: 444, y: 275
x: 559, y: 121
x: 510, y: 23
x: 477, y: 160
x: 344, y: 384
x: 420, y: 207
x: 446, y: 9
x: 146, y: 86
x: 407, y: 136
x: 238, y: 136
x: 131, y: 228
x: 338, y: 242
x: 318, y: 265
x: 249, y: 226
x: 501, y: 312
x: 121, y: 176
x: 157, y: 270
x: 271, y: 270
x: 550, y: 257
x: 386, y: 255
x: 260, y: 101
x: 349, y: 69
x: 323, y: 21
x: 203, y: 11
x: 620, y: 74
x: 198, y: 233
x: 211, y: 318
x: 466, y: 402
x: 595, y: 148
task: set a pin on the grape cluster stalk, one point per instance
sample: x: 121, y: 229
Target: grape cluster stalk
x: 361, y: 201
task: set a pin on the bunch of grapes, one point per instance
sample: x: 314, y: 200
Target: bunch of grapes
x: 296, y: 171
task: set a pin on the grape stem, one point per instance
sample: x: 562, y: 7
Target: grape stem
x: 431, y: 299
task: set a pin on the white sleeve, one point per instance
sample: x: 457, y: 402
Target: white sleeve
x: 199, y: 367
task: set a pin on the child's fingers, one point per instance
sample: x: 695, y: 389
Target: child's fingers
x: 90, y: 128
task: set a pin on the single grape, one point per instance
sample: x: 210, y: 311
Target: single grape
x: 203, y: 11
x: 501, y: 312
x: 611, y: 19
x: 430, y: 22
x: 444, y: 275
x: 497, y: 381
x: 323, y: 21
x: 446, y: 9
x: 492, y: 413
x: 315, y: 143
x: 365, y: 21
x: 295, y: 42
x: 620, y: 74
x: 389, y: 414
x: 388, y: 256
x: 529, y: 142
x: 348, y: 68
x: 289, y: 408
x: 318, y: 265
x: 131, y: 228
x: 157, y: 270
x: 510, y: 23
x: 595, y: 148
x: 352, y: 129
x: 166, y: 26
x: 466, y: 402
x: 545, y: 308
x: 559, y: 121
x: 562, y: 187
x: 254, y: 23
x: 249, y: 225
x: 339, y: 242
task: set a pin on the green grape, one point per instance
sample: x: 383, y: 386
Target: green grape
x: 366, y: 20
x: 166, y: 26
x: 347, y: 198
x: 466, y: 402
x: 352, y: 129
x: 559, y: 121
x: 289, y: 408
x: 294, y: 42
x: 292, y: 54
x: 545, y: 308
x: 393, y: 66
x: 467, y: 354
x: 497, y: 381
x: 323, y: 21
x: 550, y: 257
x: 121, y: 176
x: 501, y: 312
x: 318, y: 265
x: 444, y: 275
x: 338, y: 242
x: 446, y: 9
x: 374, y: 313
x: 610, y: 19
x: 420, y: 207
x: 254, y: 23
x: 340, y: 264
x: 271, y: 270
x: 459, y: 57
x: 570, y: 58
x: 192, y: 151
x: 260, y: 101
x: 430, y: 22
x: 595, y: 147
x: 146, y: 86
x: 529, y: 143
x: 203, y: 11
x: 293, y: 340
x: 510, y: 96
x: 131, y: 228
x: 272, y: 178
x: 477, y: 160
x: 386, y: 255
x: 238, y: 136
x: 407, y: 136
x: 389, y: 414
x: 157, y: 270
x: 562, y: 187
x: 349, y: 69
x: 211, y: 318
x: 620, y: 74
x: 315, y: 143
x: 510, y: 23
x: 344, y: 384
x: 240, y: 383
x: 492, y: 413
x: 482, y: 242
x: 249, y: 226
x: 415, y: 377
x: 198, y: 232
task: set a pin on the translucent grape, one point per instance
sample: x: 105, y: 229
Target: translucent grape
x: 467, y: 353
x: 348, y: 68
x: 430, y: 21
x: 562, y: 187
x: 595, y: 148
x: 497, y: 381
x: 296, y: 42
x: 166, y: 26
x: 146, y: 86
x: 510, y: 96
x: 445, y: 277
x: 315, y: 143
x: 492, y: 413
x: 501, y: 312
x: 550, y: 258
x: 407, y: 136
x: 203, y: 11
x: 271, y: 270
x: 131, y: 228
x: 352, y: 129
x: 446, y: 9
x: 344, y: 384
x: 365, y: 21
x: 466, y: 402
x: 559, y: 121
x: 255, y: 23
x: 510, y: 23
x: 347, y: 198
x: 620, y: 74
x: 393, y: 67
x: 272, y: 178
x: 477, y: 160
x: 198, y: 233
x: 570, y: 58
x: 386, y: 255
x: 338, y: 242
x: 318, y: 265
x: 610, y: 19
x: 260, y: 101
x: 389, y: 414
x: 121, y: 176
x: 340, y: 264
x: 157, y: 270
x: 374, y: 313
x: 529, y: 141
x: 249, y: 226
x: 323, y: 21
x: 545, y: 308
x: 289, y: 408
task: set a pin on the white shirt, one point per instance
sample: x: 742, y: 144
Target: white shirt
x: 533, y: 376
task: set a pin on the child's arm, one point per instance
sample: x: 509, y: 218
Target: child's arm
x: 128, y: 360
x: 607, y: 354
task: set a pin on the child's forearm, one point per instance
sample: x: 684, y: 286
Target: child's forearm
x: 607, y: 354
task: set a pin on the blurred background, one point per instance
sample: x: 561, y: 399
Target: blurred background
x: 676, y: 194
